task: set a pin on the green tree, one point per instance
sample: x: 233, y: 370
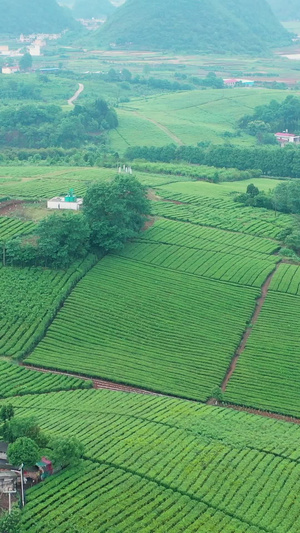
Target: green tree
x: 116, y: 211
x: 25, y: 62
x: 7, y: 412
x: 66, y: 451
x: 23, y: 450
x: 9, y: 523
x: 24, y: 427
x: 62, y: 238
x: 252, y: 190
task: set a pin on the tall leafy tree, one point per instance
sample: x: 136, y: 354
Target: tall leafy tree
x: 116, y: 211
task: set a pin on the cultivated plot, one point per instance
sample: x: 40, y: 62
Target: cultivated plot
x: 156, y: 463
x: 148, y: 326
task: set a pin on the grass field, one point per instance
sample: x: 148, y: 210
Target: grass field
x: 159, y: 464
x: 192, y: 117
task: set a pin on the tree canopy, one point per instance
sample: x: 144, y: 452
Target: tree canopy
x: 41, y: 126
x: 66, y: 451
x: 23, y: 450
x: 29, y: 16
x: 116, y: 211
x: 274, y: 117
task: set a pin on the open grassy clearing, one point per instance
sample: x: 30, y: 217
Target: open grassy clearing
x: 158, y: 463
x: 16, y: 381
x: 192, y: 116
x: 268, y: 372
x: 29, y: 299
x: 148, y: 326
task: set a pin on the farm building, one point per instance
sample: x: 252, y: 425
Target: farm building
x: 8, y: 481
x: 65, y: 202
x: 237, y: 82
x: 284, y: 138
x: 10, y: 70
x: 3, y: 452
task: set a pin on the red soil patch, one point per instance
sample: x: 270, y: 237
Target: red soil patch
x: 8, y: 208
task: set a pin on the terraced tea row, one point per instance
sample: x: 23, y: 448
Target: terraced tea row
x: 9, y: 227
x: 201, y: 237
x: 225, y: 214
x: 268, y: 372
x: 148, y: 326
x: 157, y: 463
x: 59, y: 182
x: 287, y: 279
x: 16, y: 380
x: 213, y: 265
x: 29, y: 299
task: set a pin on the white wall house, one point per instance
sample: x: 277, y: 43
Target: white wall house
x: 63, y: 202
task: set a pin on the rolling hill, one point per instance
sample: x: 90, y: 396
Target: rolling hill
x: 286, y: 11
x: 235, y: 26
x: 88, y: 9
x: 27, y: 16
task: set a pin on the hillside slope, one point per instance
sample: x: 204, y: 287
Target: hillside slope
x: 27, y: 16
x: 88, y: 9
x: 236, y: 26
x: 286, y: 10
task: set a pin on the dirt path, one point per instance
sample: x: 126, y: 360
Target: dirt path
x: 97, y: 383
x: 75, y: 96
x: 161, y: 127
x: 110, y: 385
x: 259, y: 304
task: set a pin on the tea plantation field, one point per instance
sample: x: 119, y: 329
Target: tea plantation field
x: 29, y: 299
x: 141, y: 324
x: 157, y: 464
x: 16, y: 380
x: 191, y: 117
x: 268, y: 373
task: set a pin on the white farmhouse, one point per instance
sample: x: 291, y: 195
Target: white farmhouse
x: 65, y: 202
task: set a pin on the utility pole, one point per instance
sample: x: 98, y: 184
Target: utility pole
x: 22, y: 485
x: 4, y: 254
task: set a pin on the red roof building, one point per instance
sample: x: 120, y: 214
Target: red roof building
x: 284, y: 138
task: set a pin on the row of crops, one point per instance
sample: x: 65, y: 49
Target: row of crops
x: 156, y: 464
x: 241, y: 269
x: 13, y: 226
x: 224, y: 214
x: 268, y: 372
x: 286, y: 279
x: 201, y: 237
x: 16, y: 380
x: 29, y: 300
x: 196, y: 171
x: 58, y: 182
x: 145, y: 325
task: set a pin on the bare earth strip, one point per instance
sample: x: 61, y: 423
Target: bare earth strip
x: 259, y: 304
x: 75, y: 96
x: 161, y: 127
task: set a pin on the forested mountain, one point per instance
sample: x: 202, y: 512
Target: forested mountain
x: 206, y: 25
x: 289, y: 10
x: 27, y: 16
x: 88, y: 9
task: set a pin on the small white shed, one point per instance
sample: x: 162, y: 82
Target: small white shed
x: 66, y: 202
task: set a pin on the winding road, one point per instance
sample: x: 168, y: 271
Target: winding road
x: 75, y: 96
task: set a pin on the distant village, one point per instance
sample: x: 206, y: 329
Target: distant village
x: 33, y: 44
